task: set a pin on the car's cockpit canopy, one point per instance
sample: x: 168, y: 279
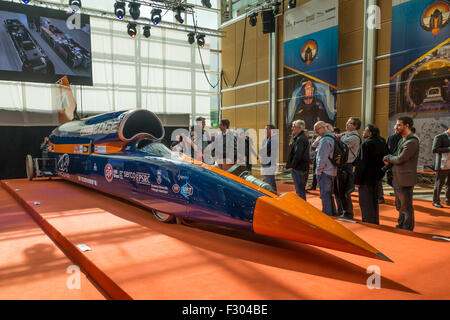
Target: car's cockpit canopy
x: 153, y: 148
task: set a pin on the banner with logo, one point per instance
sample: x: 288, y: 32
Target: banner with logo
x: 420, y: 69
x: 310, y: 62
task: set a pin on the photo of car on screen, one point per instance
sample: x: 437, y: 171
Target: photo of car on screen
x: 37, y: 45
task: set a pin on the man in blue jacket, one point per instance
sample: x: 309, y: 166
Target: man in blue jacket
x: 326, y: 171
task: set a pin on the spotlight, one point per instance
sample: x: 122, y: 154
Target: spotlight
x: 201, y: 40
x: 206, y: 3
x: 147, y: 31
x: 276, y: 8
x: 178, y: 11
x: 253, y: 19
x: 119, y: 9
x: 132, y: 31
x: 292, y: 4
x: 156, y: 16
x: 191, y: 37
x: 75, y: 3
x: 26, y: 1
x: 134, y: 10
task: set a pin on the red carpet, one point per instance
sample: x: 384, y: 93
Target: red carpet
x: 134, y: 256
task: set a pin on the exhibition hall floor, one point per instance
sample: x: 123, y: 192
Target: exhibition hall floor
x: 133, y: 256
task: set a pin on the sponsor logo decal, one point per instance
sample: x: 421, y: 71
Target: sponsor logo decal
x: 100, y: 149
x: 109, y: 173
x: 158, y: 176
x: 159, y: 189
x: 176, y: 188
x: 63, y: 163
x: 79, y: 148
x: 187, y: 190
x: 142, y: 178
x: 107, y: 127
x: 88, y: 181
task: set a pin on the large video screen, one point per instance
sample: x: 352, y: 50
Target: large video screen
x: 42, y: 45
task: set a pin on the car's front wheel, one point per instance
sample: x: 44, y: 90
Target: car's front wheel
x: 163, y: 217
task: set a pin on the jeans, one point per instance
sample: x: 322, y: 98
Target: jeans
x: 326, y: 185
x: 299, y: 183
x: 406, y: 212
x: 368, y: 201
x: 270, y: 179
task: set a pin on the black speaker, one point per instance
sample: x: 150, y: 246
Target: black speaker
x: 268, y: 19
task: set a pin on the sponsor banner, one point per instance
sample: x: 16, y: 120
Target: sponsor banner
x: 420, y: 69
x: 311, y: 41
x: 310, y: 63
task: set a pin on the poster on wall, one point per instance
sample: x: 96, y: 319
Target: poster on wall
x: 310, y: 63
x: 42, y: 45
x: 420, y: 69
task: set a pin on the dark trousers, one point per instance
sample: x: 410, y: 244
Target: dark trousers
x: 380, y: 191
x: 405, y: 203
x: 368, y: 201
x: 299, y: 183
x: 314, y: 181
x: 345, y: 186
x: 441, y: 177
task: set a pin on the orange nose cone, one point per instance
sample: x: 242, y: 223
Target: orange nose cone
x: 308, y: 62
x: 435, y: 31
x: 289, y: 217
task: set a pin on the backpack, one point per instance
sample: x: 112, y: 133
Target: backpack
x: 340, y: 153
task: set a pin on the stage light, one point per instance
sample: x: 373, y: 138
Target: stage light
x: 156, y: 16
x: 147, y: 31
x: 75, y: 3
x: 26, y: 1
x: 206, y: 3
x: 276, y: 8
x: 191, y: 37
x: 201, y: 40
x: 178, y: 11
x: 134, y: 10
x: 292, y: 4
x: 132, y: 31
x: 253, y: 19
x: 119, y: 9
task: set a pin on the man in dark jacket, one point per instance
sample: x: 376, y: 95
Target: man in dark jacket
x: 405, y: 171
x: 441, y: 147
x: 298, y: 160
x: 368, y: 173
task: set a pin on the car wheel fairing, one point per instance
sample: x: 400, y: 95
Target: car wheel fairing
x: 29, y: 167
x: 163, y: 217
